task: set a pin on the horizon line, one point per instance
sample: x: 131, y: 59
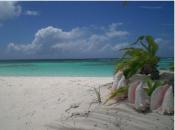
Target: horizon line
x: 21, y: 59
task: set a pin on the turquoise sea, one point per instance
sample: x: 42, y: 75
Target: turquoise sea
x: 81, y: 67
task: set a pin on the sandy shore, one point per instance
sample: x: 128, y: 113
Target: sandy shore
x: 68, y: 103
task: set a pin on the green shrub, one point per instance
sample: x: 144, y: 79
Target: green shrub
x: 140, y: 59
x: 152, y: 85
x: 117, y: 93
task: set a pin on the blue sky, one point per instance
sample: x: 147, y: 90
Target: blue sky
x: 82, y: 29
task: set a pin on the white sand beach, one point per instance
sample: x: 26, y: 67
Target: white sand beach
x: 68, y: 103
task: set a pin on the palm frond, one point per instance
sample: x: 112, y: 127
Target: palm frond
x: 117, y: 93
x: 152, y: 45
x: 140, y: 38
x: 152, y: 85
x: 134, y: 58
x: 97, y: 92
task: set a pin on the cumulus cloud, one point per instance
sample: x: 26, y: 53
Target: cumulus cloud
x: 120, y: 46
x: 31, y: 13
x: 117, y: 33
x: 12, y: 9
x: 9, y: 9
x: 84, y: 41
x: 114, y: 32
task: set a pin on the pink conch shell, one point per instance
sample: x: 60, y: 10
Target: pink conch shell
x: 157, y: 97
x: 168, y: 102
x: 131, y: 92
x: 141, y: 99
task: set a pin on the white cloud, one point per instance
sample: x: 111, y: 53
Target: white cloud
x: 151, y: 7
x: 82, y: 41
x: 165, y: 46
x: 31, y: 13
x: 9, y: 9
x: 12, y: 9
x: 167, y: 24
x: 114, y: 32
x: 158, y: 40
x: 120, y: 46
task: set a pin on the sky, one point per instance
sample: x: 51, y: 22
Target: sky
x: 59, y: 30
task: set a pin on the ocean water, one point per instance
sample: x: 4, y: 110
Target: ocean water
x: 85, y: 67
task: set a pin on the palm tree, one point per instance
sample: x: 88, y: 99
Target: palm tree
x: 140, y: 59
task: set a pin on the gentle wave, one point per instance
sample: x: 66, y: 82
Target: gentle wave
x: 83, y: 67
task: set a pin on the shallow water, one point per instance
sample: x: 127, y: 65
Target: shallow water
x: 85, y: 67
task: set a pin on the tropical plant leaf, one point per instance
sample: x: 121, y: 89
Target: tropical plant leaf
x: 134, y: 58
x: 152, y: 85
x: 117, y: 93
x: 140, y: 38
x: 152, y: 45
x: 133, y: 51
x: 171, y: 66
x: 97, y: 92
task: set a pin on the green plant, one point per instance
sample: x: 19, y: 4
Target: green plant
x: 97, y: 92
x: 152, y: 85
x: 117, y: 93
x: 171, y: 66
x: 140, y: 59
